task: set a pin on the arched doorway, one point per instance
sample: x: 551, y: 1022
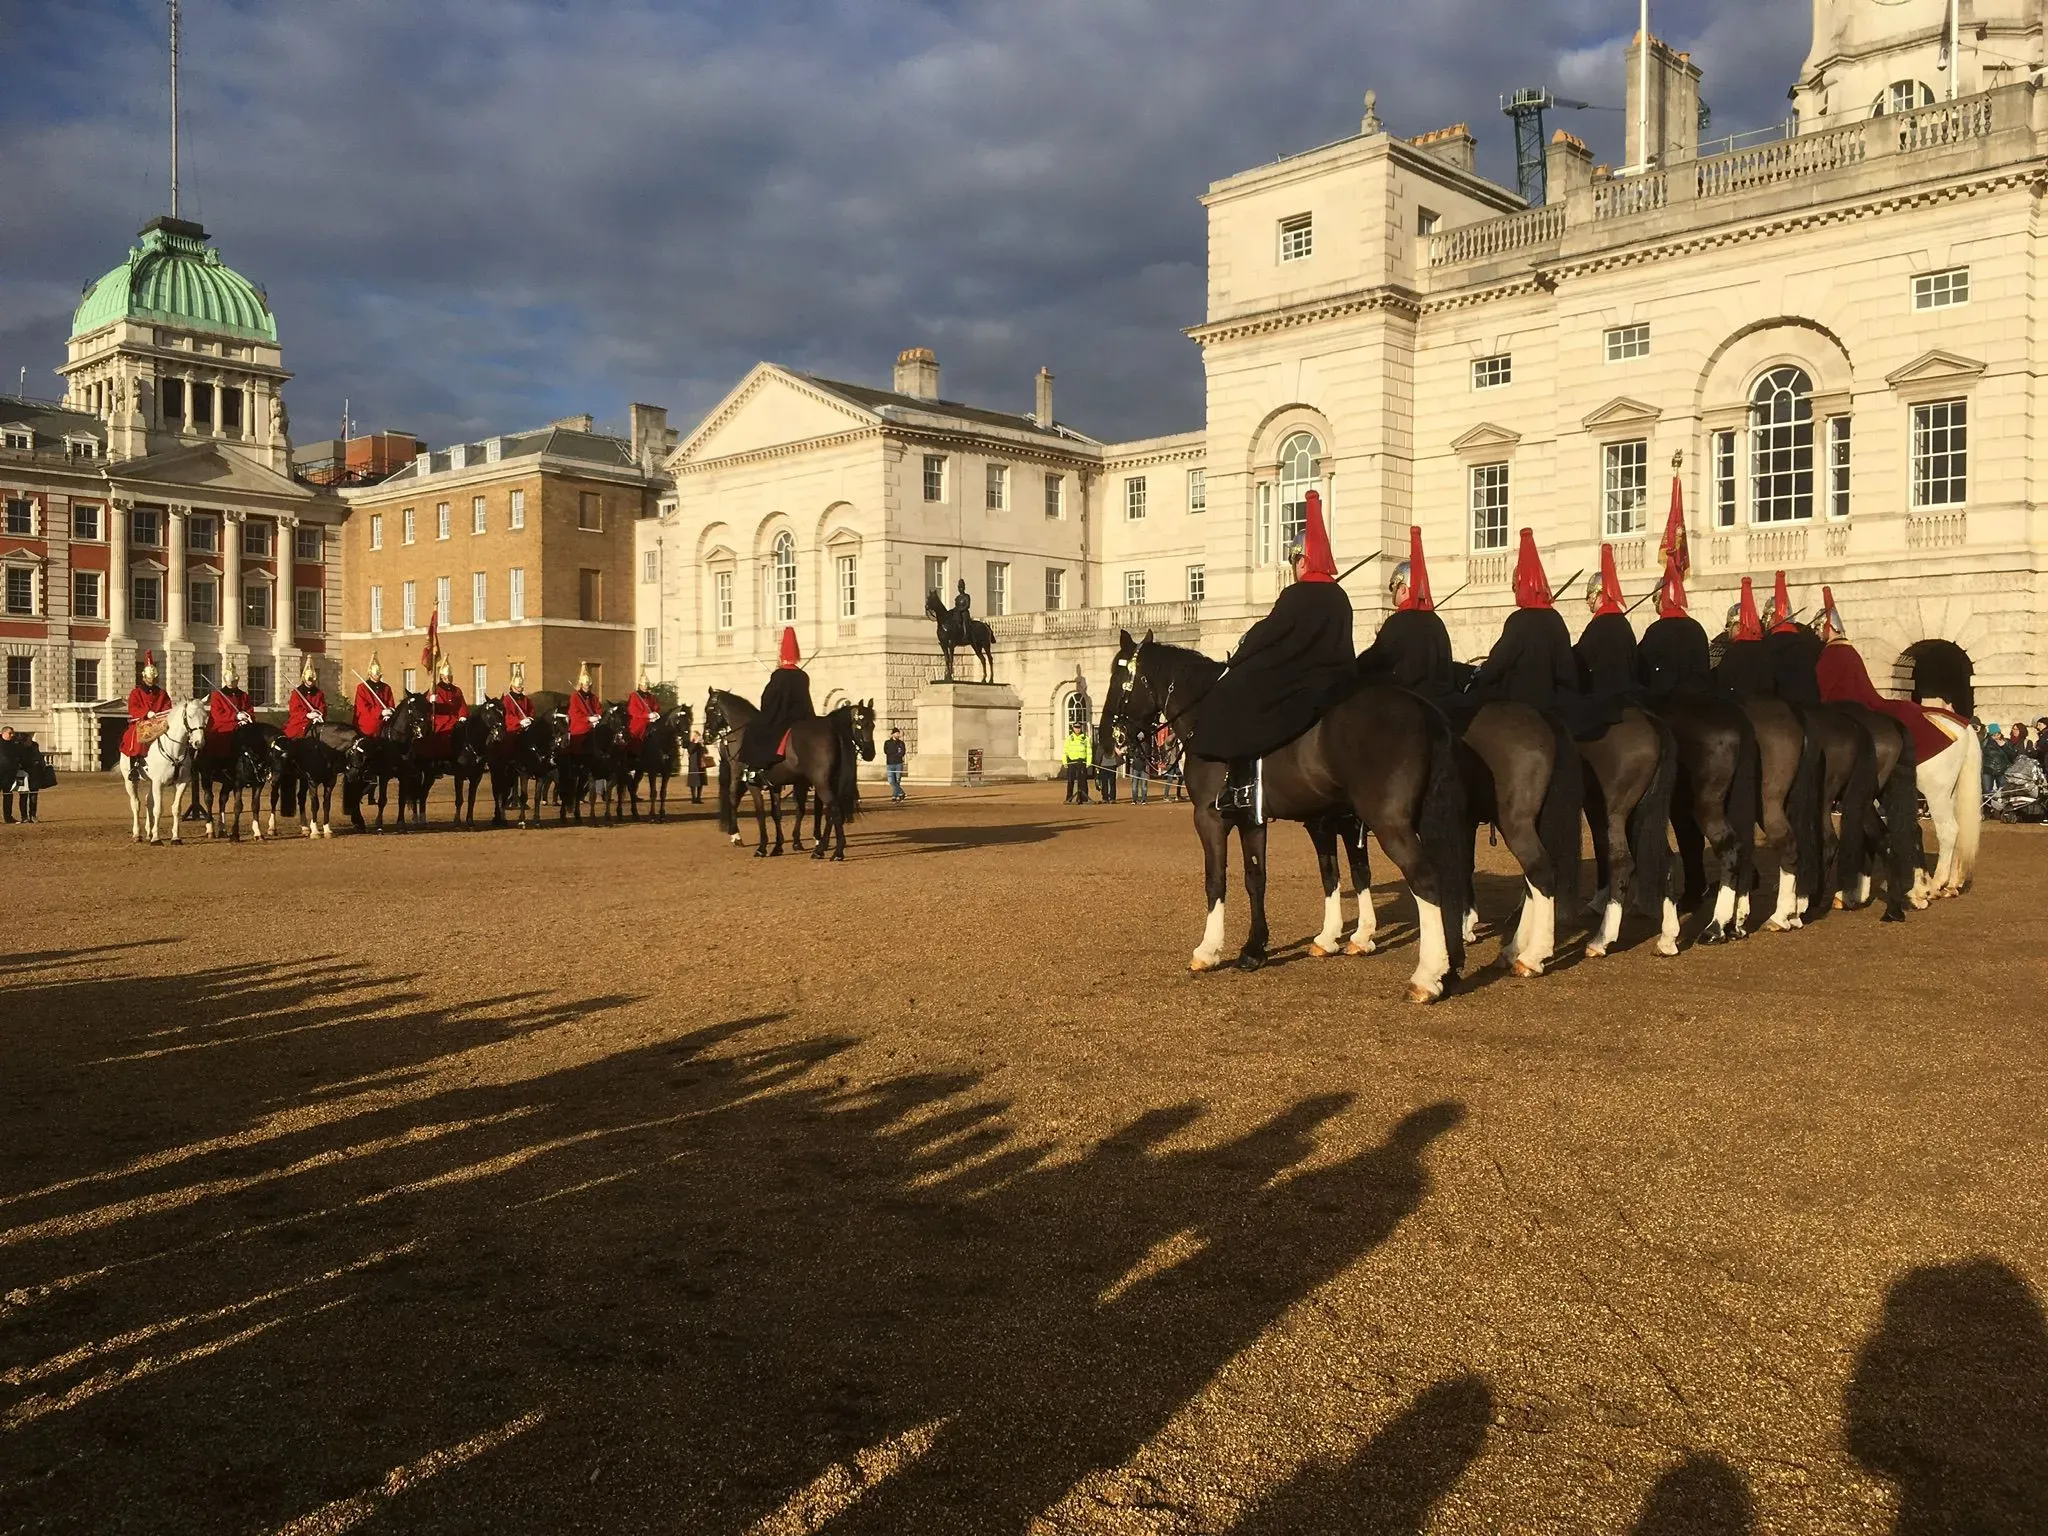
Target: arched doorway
x: 1939, y: 669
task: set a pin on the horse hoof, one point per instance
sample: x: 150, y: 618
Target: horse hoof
x: 1525, y: 970
x: 774, y: 853
x: 1418, y: 993
x: 1251, y: 960
x: 1892, y: 916
x: 1596, y: 951
x: 1838, y: 904
x: 735, y: 839
x: 1319, y: 952
x: 760, y: 853
x: 839, y: 856
x: 1666, y: 947
x: 1199, y: 965
x: 1713, y: 933
x: 1356, y: 948
x: 818, y: 855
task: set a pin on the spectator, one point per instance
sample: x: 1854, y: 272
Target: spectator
x: 2041, y: 741
x: 1997, y: 758
x: 1106, y: 765
x: 698, y: 759
x: 892, y: 758
x: 1139, y: 763
x: 1167, y: 755
x: 18, y: 766
x: 1075, y: 756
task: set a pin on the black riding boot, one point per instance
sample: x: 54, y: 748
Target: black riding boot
x: 1240, y: 792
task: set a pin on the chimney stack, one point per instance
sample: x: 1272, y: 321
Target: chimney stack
x: 1673, y: 111
x: 650, y: 436
x: 1044, y: 412
x: 917, y: 373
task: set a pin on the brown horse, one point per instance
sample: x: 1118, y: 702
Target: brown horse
x: 1848, y: 786
x: 1892, y: 819
x: 1380, y: 756
x: 1630, y: 772
x: 1521, y: 773
x: 1789, y: 808
x: 1714, y: 802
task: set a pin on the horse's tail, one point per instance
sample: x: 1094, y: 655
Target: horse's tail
x: 1803, y: 810
x: 728, y: 812
x: 1858, y: 796
x: 845, y: 773
x: 1446, y: 837
x: 1969, y: 810
x: 1564, y: 803
x: 1744, y: 806
x: 1901, y: 809
x: 1649, y: 828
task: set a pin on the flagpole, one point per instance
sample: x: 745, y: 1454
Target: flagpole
x: 174, y: 108
x: 1643, y: 93
x: 1955, y: 48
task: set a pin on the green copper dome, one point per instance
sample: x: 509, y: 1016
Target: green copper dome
x: 175, y: 278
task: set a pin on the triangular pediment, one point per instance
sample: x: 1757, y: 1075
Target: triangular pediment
x: 1936, y: 367
x: 1483, y: 437
x: 770, y: 408
x: 210, y: 468
x: 1621, y: 411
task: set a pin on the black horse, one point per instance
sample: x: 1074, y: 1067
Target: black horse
x: 726, y: 717
x: 825, y: 755
x: 1714, y: 804
x: 1521, y: 773
x: 374, y: 761
x: 224, y: 779
x: 1892, y: 820
x: 657, y: 760
x: 476, y: 735
x: 1630, y: 772
x: 1380, y: 756
x: 592, y: 769
x: 521, y: 763
x: 305, y: 770
x: 957, y: 630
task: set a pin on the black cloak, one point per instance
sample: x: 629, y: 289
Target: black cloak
x: 1609, y: 667
x: 1746, y: 671
x: 1531, y: 663
x: 785, y: 702
x: 1413, y: 651
x: 1795, y: 653
x: 1675, y: 657
x: 1286, y: 671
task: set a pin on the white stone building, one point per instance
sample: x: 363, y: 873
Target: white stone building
x: 1833, y: 338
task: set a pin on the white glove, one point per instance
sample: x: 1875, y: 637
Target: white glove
x: 387, y: 714
x: 242, y: 719
x: 652, y: 717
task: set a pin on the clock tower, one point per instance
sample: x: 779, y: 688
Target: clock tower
x: 1872, y: 57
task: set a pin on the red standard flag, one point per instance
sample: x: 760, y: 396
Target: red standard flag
x: 1674, y: 547
x: 433, y: 645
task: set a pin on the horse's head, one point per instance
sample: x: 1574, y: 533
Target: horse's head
x: 935, y: 606
x: 409, y: 719
x: 1129, y: 703
x: 864, y: 728
x: 678, y: 721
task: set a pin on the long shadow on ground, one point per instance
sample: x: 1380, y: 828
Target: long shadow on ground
x: 518, y: 1268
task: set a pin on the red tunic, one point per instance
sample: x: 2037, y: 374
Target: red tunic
x: 308, y: 709
x: 144, y: 700
x: 1844, y: 679
x: 446, y: 709
x: 373, y: 702
x: 227, y: 710
x: 585, y: 710
x: 642, y: 710
x: 518, y: 712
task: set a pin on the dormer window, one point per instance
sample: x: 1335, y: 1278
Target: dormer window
x: 82, y: 447
x: 23, y: 441
x: 1903, y: 96
x: 1297, y: 237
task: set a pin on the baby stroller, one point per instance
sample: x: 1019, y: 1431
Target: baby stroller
x: 2022, y: 795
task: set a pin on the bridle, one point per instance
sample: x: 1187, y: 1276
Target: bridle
x: 1162, y: 706
x: 175, y: 759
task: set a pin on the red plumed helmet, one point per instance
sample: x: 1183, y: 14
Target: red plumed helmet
x: 1317, y: 563
x: 1781, y: 606
x: 791, y: 656
x: 1532, y: 587
x: 1671, y: 602
x: 1749, y: 625
x: 1610, y: 584
x: 1418, y: 596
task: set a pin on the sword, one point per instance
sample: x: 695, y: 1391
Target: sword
x: 1368, y: 560
x: 1440, y: 602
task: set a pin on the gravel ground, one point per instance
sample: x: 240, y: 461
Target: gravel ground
x: 610, y: 1180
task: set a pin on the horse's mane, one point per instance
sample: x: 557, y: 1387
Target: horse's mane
x: 1180, y: 655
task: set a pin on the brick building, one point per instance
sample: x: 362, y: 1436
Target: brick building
x: 524, y: 546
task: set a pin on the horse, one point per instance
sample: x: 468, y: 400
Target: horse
x: 244, y: 769
x: 1379, y: 755
x: 824, y: 753
x: 1892, y: 817
x: 1714, y: 802
x: 1630, y: 771
x: 726, y: 718
x: 392, y: 753
x: 1788, y: 797
x: 1950, y: 780
x: 305, y: 769
x: 168, y: 761
x: 1520, y: 771
x: 1848, y: 785
x: 956, y: 630
x: 585, y: 772
x: 520, y: 762
x: 658, y: 759
x: 474, y: 738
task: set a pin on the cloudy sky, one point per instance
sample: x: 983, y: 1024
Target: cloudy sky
x: 476, y: 215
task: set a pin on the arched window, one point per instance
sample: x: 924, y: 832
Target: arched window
x: 782, y: 580
x: 1903, y: 96
x: 1077, y: 711
x: 1301, y: 467
x: 1781, y: 447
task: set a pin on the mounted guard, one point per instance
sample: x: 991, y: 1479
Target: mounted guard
x: 586, y: 709
x: 373, y: 703
x: 308, y: 706
x: 1745, y: 668
x: 1532, y: 662
x: 227, y: 711
x: 446, y: 709
x: 147, y: 704
x: 785, y: 702
x: 643, y: 710
x: 519, y: 711
x: 1413, y: 648
x: 1609, y: 666
x: 1794, y: 651
x: 1288, y: 668
x: 1675, y: 654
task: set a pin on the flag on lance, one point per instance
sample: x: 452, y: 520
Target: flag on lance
x: 1674, y: 548
x: 433, y: 646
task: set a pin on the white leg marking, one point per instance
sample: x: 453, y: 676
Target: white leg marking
x: 1536, y: 933
x: 1368, y: 925
x: 1328, y: 941
x: 1471, y: 924
x: 1610, y: 931
x: 1667, y: 939
x: 1724, y: 906
x: 1598, y: 904
x: 1742, y: 910
x: 1210, y: 955
x: 1786, y: 916
x: 1433, y: 955
x: 1863, y: 891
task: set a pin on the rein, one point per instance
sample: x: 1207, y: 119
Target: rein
x: 1164, y: 702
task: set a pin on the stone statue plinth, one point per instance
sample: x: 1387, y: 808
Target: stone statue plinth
x: 953, y: 718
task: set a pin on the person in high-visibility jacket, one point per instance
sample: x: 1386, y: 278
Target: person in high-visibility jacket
x: 1078, y: 756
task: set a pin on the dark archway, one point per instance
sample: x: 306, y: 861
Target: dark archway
x: 1939, y: 669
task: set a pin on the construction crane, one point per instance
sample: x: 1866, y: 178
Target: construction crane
x: 1527, y: 107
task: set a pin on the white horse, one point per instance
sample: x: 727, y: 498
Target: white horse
x: 168, y: 762
x: 1952, y: 782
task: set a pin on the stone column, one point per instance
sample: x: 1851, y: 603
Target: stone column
x: 117, y: 571
x: 231, y: 581
x: 284, y: 618
x: 177, y: 596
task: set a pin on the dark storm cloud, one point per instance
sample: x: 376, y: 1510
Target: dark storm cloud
x: 472, y: 215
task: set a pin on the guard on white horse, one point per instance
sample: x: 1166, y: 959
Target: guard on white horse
x: 166, y: 761
x: 147, y: 706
